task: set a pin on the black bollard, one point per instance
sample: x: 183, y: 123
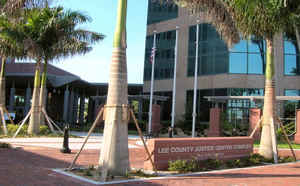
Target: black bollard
x: 66, y: 148
x: 170, y: 131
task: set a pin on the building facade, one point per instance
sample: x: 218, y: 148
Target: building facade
x: 69, y: 99
x: 238, y: 71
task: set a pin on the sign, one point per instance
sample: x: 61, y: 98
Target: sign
x: 164, y: 150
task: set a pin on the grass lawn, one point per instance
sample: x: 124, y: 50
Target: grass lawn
x: 281, y: 145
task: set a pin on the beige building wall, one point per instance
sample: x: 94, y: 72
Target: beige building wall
x: 184, y: 83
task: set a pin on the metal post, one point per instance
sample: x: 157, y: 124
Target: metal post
x: 195, y: 81
x: 152, y: 81
x: 174, y: 82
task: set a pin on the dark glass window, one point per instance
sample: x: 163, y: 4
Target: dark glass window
x: 246, y: 57
x: 164, y: 56
x: 213, y: 55
x: 158, y: 12
x: 291, y: 106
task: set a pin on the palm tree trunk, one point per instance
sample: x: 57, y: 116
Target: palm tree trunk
x: 114, y: 156
x: 2, y: 82
x: 297, y: 36
x: 265, y: 147
x: 34, y: 122
x: 2, y: 85
x: 43, y: 93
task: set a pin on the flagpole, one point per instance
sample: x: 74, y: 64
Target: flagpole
x: 152, y: 58
x: 195, y: 81
x: 174, y: 83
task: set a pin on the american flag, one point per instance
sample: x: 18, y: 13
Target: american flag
x: 152, y: 56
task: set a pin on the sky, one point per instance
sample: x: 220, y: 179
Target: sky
x: 94, y: 66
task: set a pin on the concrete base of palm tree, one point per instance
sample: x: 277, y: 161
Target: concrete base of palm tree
x: 114, y: 152
x: 266, y: 147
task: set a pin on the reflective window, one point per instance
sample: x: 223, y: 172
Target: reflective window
x: 164, y: 56
x: 290, y: 47
x: 213, y: 53
x: 246, y: 57
x: 256, y: 63
x: 158, y: 12
x: 238, y: 63
x: 240, y: 47
x: 291, y: 58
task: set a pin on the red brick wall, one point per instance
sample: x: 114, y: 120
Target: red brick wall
x: 155, y: 118
x: 214, y: 122
x: 254, y: 117
x: 164, y: 150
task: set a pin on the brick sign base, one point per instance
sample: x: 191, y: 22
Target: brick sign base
x: 164, y: 150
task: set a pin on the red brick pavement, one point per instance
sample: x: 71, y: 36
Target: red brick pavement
x: 31, y: 166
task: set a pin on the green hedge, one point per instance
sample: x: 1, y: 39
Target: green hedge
x: 11, y: 130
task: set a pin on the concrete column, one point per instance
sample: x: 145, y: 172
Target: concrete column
x: 75, y: 108
x: 90, y: 110
x: 254, y: 117
x: 81, y: 109
x: 12, y: 98
x: 70, y: 108
x: 66, y: 104
x: 297, y: 135
x: 214, y: 122
x: 27, y: 99
x: 140, y: 114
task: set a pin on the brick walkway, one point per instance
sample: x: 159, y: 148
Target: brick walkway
x: 31, y: 166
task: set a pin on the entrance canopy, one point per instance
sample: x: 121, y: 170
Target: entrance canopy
x: 251, y: 98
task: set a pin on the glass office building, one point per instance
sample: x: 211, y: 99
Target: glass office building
x: 222, y: 71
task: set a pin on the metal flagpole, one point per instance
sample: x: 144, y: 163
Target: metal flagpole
x: 195, y: 81
x: 152, y: 58
x: 174, y: 82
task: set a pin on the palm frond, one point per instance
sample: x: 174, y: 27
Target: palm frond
x: 217, y: 13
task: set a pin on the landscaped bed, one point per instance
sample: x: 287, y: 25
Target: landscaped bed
x: 179, y: 167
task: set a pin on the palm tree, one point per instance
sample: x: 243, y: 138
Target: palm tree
x: 217, y: 13
x: 69, y: 41
x: 41, y: 33
x: 7, y: 50
x: 263, y: 19
x: 114, y: 157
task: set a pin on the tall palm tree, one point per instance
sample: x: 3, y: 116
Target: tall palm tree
x: 41, y: 32
x: 263, y: 19
x: 114, y: 157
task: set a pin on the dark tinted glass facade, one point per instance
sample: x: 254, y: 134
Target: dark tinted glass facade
x: 161, y: 12
x: 246, y: 57
x: 291, y: 58
x: 213, y: 52
x: 164, y: 56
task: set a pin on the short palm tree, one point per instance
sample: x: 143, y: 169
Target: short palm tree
x: 39, y: 33
x: 69, y: 41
